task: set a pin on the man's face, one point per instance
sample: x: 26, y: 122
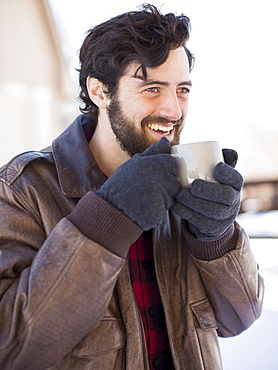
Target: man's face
x: 142, y: 111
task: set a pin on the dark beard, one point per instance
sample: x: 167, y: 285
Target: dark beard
x: 130, y: 140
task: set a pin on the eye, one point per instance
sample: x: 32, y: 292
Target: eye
x: 153, y: 89
x: 183, y: 90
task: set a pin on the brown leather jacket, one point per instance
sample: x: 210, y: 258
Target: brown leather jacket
x: 67, y: 300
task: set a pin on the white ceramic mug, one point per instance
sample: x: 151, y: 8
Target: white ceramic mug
x: 197, y: 160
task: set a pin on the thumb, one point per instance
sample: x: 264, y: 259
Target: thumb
x: 230, y: 157
x: 161, y: 146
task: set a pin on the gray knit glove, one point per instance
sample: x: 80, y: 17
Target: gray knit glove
x: 145, y: 186
x: 211, y: 208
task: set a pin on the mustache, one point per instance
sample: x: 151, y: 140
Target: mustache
x: 162, y: 120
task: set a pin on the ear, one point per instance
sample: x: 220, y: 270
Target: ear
x: 96, y: 92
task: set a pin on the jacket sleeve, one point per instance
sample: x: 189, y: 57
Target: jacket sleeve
x: 55, y: 285
x: 234, y: 286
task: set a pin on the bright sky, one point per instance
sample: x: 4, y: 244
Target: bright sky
x: 235, y: 76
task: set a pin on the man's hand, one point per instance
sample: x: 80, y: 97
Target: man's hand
x: 145, y: 186
x: 211, y: 208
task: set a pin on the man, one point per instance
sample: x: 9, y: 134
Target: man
x: 106, y: 262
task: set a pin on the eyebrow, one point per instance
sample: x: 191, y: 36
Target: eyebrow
x: 162, y: 83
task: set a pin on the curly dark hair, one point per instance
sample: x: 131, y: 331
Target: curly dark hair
x: 144, y: 36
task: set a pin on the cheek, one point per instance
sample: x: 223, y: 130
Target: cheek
x: 140, y: 112
x: 135, y: 107
x: 146, y: 110
x: 184, y: 107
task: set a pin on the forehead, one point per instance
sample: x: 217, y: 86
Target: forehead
x: 173, y: 71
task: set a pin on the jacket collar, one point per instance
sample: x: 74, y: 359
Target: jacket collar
x: 77, y: 169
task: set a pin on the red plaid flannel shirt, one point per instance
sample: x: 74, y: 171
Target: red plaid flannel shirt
x: 146, y: 291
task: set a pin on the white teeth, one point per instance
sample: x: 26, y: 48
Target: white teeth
x: 156, y: 127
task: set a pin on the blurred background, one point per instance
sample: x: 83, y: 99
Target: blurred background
x: 233, y: 100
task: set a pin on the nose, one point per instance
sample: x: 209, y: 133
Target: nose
x: 170, y: 107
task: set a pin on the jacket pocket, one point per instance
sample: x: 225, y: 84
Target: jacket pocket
x: 206, y: 335
x: 204, y: 314
x: 107, y: 336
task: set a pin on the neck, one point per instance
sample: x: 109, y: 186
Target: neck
x: 106, y: 150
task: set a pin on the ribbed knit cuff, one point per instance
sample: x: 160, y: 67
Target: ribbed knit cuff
x: 210, y: 250
x: 105, y: 224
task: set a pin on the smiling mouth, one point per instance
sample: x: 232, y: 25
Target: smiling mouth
x: 166, y: 130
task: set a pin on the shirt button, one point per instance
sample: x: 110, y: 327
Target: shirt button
x: 155, y: 363
x: 151, y: 312
x: 145, y: 265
